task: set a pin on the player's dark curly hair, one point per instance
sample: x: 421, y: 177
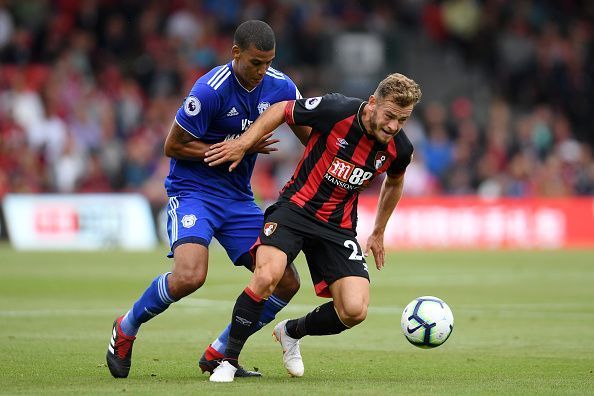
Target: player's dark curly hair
x: 254, y: 32
x: 399, y: 89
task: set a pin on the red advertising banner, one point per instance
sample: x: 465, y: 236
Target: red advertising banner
x: 475, y: 223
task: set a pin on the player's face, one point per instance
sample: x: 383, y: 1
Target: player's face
x: 250, y: 65
x: 387, y: 118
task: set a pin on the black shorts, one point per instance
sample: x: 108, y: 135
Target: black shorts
x: 330, y: 254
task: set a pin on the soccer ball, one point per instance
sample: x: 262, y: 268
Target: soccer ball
x: 427, y: 322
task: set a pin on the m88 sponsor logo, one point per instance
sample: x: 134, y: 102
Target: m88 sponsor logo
x: 347, y: 175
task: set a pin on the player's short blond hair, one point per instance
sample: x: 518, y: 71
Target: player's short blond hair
x: 399, y: 89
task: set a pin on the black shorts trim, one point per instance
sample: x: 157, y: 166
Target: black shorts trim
x: 190, y: 239
x: 245, y: 260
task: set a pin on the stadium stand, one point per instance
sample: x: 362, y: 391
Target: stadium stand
x: 87, y: 88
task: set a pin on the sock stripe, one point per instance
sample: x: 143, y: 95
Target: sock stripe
x: 277, y: 302
x: 252, y: 295
x: 219, y: 346
x: 162, y: 287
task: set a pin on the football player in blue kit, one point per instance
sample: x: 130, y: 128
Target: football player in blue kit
x: 207, y: 202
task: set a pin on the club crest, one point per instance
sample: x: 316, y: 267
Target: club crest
x: 262, y: 106
x: 188, y: 221
x: 380, y: 159
x: 269, y: 228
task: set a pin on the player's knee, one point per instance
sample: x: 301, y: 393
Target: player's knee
x: 353, y: 314
x: 266, y: 282
x: 194, y: 282
x: 184, y: 283
x: 271, y: 264
x: 289, y: 284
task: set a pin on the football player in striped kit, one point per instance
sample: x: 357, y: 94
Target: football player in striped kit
x: 207, y: 202
x: 352, y: 141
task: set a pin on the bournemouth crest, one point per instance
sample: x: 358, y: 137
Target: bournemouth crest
x: 380, y: 159
x: 269, y: 228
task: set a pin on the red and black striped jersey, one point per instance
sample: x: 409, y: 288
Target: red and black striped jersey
x: 340, y: 158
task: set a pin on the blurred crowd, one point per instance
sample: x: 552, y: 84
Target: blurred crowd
x: 89, y: 89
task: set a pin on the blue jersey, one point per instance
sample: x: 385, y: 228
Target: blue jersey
x: 219, y: 108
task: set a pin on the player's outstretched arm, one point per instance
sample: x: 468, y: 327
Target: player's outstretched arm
x: 234, y: 150
x: 179, y: 144
x: 388, y: 199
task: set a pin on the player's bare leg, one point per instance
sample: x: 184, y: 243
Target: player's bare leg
x: 189, y: 270
x: 271, y: 265
x: 351, y: 299
x: 289, y: 284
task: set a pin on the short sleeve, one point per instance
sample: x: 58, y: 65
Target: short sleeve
x: 319, y: 112
x: 198, y: 109
x: 290, y: 91
x: 404, y: 154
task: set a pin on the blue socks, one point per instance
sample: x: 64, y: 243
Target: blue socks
x: 271, y: 307
x: 155, y: 300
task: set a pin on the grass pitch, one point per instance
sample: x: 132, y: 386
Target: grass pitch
x: 524, y: 324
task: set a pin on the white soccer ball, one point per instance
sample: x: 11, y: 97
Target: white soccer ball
x: 427, y: 322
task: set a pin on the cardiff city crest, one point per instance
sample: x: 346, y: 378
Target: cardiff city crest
x: 262, y: 106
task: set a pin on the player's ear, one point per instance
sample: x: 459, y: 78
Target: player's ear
x: 235, y: 51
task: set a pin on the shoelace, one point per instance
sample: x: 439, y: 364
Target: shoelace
x: 294, y: 350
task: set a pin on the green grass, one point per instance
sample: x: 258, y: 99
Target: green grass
x: 524, y: 325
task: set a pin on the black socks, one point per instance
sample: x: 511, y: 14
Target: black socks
x: 321, y: 321
x: 246, y: 314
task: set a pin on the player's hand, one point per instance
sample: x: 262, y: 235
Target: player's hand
x: 375, y: 243
x: 227, y: 151
x: 263, y: 146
